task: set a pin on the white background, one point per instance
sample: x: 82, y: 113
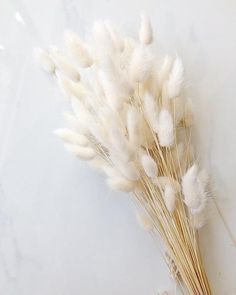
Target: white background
x: 62, y: 232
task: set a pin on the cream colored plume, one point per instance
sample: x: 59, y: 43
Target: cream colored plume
x: 120, y: 184
x: 141, y: 64
x: 149, y: 166
x: 63, y: 64
x: 175, y: 81
x: 169, y: 197
x: 130, y: 120
x: 165, y: 128
x: 144, y: 220
x: 84, y: 153
x: 151, y: 111
x: 44, y: 60
x: 194, y: 189
x: 145, y: 31
x: 71, y: 136
x: 78, y: 49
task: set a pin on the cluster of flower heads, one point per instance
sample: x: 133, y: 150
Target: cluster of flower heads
x: 130, y: 117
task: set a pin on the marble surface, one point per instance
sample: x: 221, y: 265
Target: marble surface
x: 62, y: 232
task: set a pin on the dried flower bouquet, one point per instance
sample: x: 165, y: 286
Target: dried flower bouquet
x: 131, y: 120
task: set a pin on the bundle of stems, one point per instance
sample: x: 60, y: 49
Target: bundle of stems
x: 131, y: 120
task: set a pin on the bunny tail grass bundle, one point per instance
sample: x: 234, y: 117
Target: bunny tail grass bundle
x: 131, y: 120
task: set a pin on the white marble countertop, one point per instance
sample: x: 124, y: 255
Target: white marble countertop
x: 62, y: 232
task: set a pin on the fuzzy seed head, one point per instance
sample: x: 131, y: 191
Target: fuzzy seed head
x: 78, y: 49
x: 169, y: 198
x: 151, y: 111
x: 84, y: 153
x: 63, y: 64
x: 165, y: 128
x: 71, y: 136
x: 45, y: 61
x: 145, y: 31
x: 176, y: 78
x: 144, y: 220
x: 120, y: 184
x: 140, y: 64
x: 149, y: 166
